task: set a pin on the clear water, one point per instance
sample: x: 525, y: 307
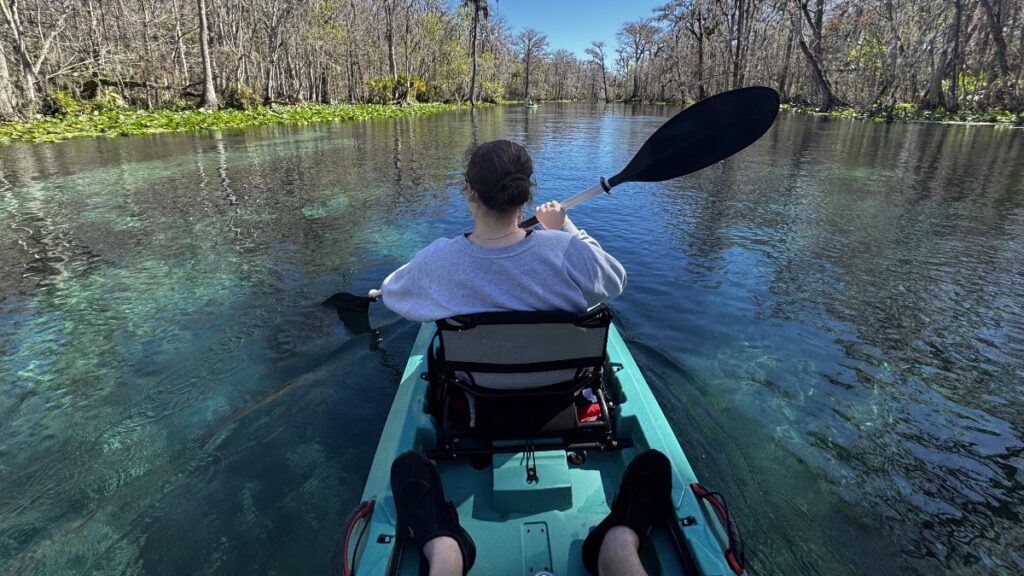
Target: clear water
x: 833, y: 320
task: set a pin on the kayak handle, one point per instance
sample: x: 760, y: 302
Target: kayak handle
x: 362, y: 512
x: 734, y: 553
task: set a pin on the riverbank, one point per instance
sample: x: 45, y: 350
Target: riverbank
x: 125, y: 122
x: 909, y: 113
x: 128, y: 122
x: 901, y: 113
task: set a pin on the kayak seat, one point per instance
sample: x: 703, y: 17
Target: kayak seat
x: 501, y: 381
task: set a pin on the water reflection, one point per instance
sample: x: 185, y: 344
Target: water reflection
x: 114, y: 369
x: 832, y: 319
x: 846, y: 249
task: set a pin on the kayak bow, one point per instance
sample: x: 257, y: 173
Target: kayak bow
x: 527, y: 528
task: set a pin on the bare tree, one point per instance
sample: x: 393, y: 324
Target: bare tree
x: 8, y: 105
x: 208, y: 99
x: 480, y: 10
x: 273, y: 17
x: 389, y: 6
x: 533, y: 46
x: 149, y: 53
x: 597, y: 55
x: 636, y: 39
x: 815, y: 54
x: 28, y: 66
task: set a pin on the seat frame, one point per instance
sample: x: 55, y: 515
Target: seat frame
x: 454, y: 441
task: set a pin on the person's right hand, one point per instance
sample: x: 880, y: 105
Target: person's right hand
x: 551, y: 215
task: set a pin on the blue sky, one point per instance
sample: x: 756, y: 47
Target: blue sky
x: 573, y: 24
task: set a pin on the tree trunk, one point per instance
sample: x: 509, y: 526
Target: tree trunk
x: 783, y: 79
x: 822, y: 88
x: 27, y: 76
x: 95, y: 43
x: 526, y: 81
x: 389, y: 17
x: 409, y: 96
x: 208, y: 99
x: 636, y: 80
x: 954, y: 65
x: 696, y: 29
x: 8, y: 105
x: 604, y: 83
x: 472, y: 76
x: 702, y: 91
x: 996, y: 29
x: 181, y: 44
x: 349, y: 44
x: 325, y: 88
x: 815, y: 56
x: 933, y: 97
x: 268, y: 92
x: 740, y: 32
x: 886, y: 96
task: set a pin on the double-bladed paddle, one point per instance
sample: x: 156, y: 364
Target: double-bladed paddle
x: 707, y: 132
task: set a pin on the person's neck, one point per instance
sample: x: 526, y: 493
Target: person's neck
x: 496, y: 232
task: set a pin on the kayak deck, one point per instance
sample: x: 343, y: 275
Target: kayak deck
x: 521, y: 527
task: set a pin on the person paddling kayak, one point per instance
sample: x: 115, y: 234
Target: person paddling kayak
x: 499, y: 266
x: 488, y: 411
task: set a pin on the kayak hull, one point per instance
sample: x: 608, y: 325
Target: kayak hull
x: 523, y: 528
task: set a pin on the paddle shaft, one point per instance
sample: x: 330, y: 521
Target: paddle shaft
x: 574, y: 201
x: 707, y: 132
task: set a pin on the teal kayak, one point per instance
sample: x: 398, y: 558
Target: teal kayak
x: 529, y: 527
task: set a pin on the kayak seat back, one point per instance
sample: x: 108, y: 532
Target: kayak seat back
x: 521, y: 376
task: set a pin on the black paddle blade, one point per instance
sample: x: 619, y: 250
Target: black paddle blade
x: 707, y: 132
x: 355, y: 322
x: 353, y: 311
x: 346, y: 302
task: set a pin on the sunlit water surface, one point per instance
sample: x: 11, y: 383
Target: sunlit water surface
x: 833, y: 321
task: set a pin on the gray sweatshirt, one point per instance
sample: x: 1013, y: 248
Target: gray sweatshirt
x: 548, y: 270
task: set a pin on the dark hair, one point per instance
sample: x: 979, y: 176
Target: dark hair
x: 500, y: 172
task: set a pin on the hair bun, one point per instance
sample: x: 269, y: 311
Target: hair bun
x: 500, y: 172
x: 513, y: 191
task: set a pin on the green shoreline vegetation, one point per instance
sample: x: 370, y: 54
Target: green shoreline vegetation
x: 92, y: 120
x: 906, y: 112
x: 105, y: 68
x: 100, y: 118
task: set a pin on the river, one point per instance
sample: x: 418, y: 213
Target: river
x: 833, y: 320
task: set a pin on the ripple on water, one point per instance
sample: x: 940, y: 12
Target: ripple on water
x: 868, y: 334
x: 832, y: 320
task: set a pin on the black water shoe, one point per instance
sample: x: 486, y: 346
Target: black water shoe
x: 423, y: 513
x: 644, y: 500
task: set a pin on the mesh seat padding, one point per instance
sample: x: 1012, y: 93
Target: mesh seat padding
x: 501, y: 354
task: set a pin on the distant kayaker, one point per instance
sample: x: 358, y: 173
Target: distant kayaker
x: 499, y: 266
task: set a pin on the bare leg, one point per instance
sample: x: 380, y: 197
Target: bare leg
x: 619, y: 554
x: 443, y: 556
x: 427, y: 519
x: 644, y: 499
